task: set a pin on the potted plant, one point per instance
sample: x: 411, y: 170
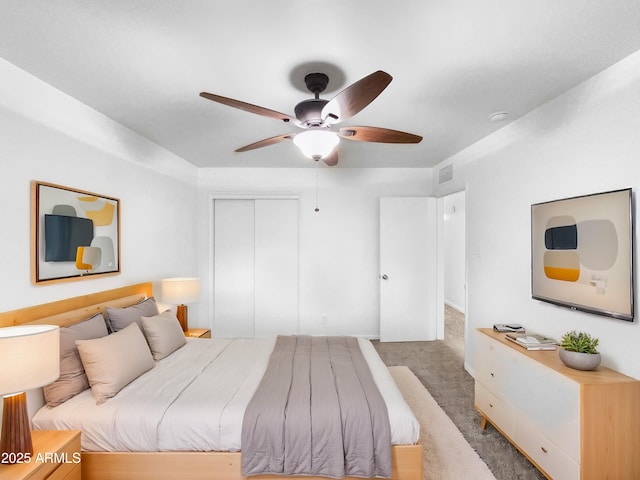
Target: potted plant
x: 578, y: 350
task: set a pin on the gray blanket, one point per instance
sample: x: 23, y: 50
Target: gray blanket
x: 317, y: 411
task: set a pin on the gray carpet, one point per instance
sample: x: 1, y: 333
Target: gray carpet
x: 439, y: 366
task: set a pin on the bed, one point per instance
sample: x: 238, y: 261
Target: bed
x: 219, y: 457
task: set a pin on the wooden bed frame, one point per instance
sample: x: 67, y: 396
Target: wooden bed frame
x: 407, y: 459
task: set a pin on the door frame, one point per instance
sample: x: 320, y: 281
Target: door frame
x: 440, y: 261
x: 440, y: 268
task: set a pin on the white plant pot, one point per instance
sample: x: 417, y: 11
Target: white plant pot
x: 579, y: 360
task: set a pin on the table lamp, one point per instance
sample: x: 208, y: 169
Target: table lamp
x: 178, y: 291
x: 30, y: 358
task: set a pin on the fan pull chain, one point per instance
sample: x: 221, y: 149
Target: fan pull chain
x: 316, y: 209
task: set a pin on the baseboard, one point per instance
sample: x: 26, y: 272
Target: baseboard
x: 469, y: 368
x: 454, y: 306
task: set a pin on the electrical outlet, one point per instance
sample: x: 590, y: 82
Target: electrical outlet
x: 324, y: 320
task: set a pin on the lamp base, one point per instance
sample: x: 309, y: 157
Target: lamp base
x: 182, y: 314
x: 16, y: 431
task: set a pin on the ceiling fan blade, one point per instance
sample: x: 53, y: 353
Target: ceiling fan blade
x: 266, y: 142
x: 355, y: 97
x: 378, y: 135
x: 248, y: 107
x: 332, y: 158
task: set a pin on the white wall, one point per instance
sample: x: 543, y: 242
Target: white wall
x: 48, y: 136
x: 454, y: 250
x: 582, y: 142
x: 338, y: 245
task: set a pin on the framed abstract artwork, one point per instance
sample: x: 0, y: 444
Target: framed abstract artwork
x: 74, y: 234
x: 582, y: 253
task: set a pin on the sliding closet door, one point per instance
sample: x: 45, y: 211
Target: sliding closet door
x: 233, y: 268
x: 276, y: 267
x: 255, y: 267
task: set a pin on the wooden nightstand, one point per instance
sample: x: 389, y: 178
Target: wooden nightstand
x: 198, y: 333
x: 56, y: 456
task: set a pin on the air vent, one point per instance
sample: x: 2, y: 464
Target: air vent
x: 445, y: 174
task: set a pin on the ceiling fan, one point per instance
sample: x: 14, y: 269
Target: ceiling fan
x: 318, y: 117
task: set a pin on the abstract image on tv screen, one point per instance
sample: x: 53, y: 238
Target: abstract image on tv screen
x: 582, y: 253
x: 63, y: 235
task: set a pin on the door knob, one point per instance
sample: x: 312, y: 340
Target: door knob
x: 384, y: 277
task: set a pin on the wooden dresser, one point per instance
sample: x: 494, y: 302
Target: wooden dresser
x: 570, y: 424
x: 56, y: 456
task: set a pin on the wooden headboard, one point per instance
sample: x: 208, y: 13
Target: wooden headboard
x: 72, y: 310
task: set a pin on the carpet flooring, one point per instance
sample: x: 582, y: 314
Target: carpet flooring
x: 439, y: 365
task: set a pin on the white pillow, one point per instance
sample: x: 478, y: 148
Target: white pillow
x: 164, y: 334
x: 114, y: 361
x: 118, y: 318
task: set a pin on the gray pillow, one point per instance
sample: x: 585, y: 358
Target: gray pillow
x: 73, y: 378
x: 114, y: 361
x: 119, y: 318
x: 164, y: 334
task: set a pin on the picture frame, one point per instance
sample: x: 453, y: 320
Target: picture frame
x: 75, y: 234
x: 582, y: 253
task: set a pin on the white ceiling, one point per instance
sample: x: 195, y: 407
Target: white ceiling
x: 454, y: 62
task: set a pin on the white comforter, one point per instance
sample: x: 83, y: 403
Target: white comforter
x: 194, y: 400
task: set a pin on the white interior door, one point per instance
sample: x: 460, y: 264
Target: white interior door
x: 255, y: 267
x: 408, y: 269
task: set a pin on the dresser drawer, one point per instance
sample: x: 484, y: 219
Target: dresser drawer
x: 492, y: 376
x: 499, y: 413
x: 494, y: 366
x: 551, y: 402
x: 68, y: 459
x: 66, y: 471
x: 544, y: 452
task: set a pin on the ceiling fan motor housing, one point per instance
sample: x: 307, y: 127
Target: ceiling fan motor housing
x: 309, y: 112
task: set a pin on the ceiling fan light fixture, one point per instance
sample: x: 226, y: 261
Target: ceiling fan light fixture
x: 316, y: 144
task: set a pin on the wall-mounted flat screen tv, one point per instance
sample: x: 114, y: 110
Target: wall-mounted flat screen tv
x: 582, y: 253
x: 63, y: 235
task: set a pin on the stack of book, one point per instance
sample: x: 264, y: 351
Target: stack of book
x: 532, y: 341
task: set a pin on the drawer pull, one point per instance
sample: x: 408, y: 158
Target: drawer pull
x: 491, y: 405
x: 543, y: 449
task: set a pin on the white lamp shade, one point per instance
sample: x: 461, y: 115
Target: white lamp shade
x: 316, y: 143
x: 30, y: 357
x: 180, y: 290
